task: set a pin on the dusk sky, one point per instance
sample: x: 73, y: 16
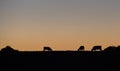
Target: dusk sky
x: 61, y: 24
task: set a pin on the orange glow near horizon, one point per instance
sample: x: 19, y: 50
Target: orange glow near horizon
x: 62, y: 25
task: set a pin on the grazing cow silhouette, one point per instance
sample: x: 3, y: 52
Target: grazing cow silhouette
x: 47, y: 49
x: 96, y: 48
x: 81, y: 48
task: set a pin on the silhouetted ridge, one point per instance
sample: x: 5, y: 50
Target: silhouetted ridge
x: 8, y: 49
x: 48, y: 59
x: 111, y: 49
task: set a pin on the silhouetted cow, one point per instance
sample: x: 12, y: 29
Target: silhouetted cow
x: 47, y: 49
x: 81, y: 48
x: 96, y: 48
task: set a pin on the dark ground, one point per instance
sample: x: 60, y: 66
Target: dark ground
x: 60, y: 60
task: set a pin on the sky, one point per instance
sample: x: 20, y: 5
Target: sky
x: 29, y: 25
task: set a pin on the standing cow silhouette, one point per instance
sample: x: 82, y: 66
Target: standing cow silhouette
x: 47, y: 49
x: 97, y: 48
x: 81, y: 48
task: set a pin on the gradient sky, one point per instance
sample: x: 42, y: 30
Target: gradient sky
x: 60, y: 24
